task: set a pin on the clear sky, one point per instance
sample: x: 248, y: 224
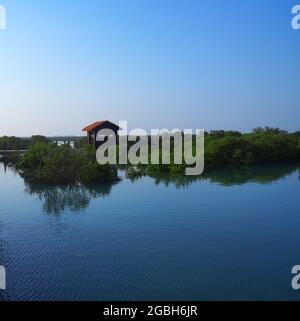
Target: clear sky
x: 218, y: 64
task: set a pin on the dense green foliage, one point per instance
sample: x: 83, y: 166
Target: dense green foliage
x: 53, y: 164
x: 46, y: 162
x: 252, y: 148
x: 14, y: 143
x: 17, y: 143
x: 263, y: 145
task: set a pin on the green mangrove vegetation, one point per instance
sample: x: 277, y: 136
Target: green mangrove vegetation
x: 17, y: 143
x: 262, y: 146
x: 45, y: 162
x: 49, y: 163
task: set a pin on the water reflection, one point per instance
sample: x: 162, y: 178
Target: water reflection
x: 263, y: 174
x: 76, y: 198
x: 7, y: 164
x: 225, y: 176
x: 56, y: 199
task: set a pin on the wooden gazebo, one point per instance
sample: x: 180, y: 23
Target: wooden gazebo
x: 93, y: 129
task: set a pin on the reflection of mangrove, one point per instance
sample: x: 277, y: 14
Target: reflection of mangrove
x: 76, y: 198
x: 263, y: 174
x: 8, y: 163
x: 226, y: 176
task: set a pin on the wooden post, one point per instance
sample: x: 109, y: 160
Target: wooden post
x: 95, y: 139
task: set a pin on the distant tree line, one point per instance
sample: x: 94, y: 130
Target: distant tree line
x: 19, y: 143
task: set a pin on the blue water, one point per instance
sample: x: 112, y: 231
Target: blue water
x: 234, y: 234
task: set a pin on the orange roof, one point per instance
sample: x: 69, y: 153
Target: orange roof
x: 93, y: 126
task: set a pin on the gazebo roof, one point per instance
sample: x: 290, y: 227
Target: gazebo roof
x: 97, y: 125
x: 93, y: 126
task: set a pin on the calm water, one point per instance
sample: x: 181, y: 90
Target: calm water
x: 234, y: 234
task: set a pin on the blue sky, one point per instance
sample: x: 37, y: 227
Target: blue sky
x: 230, y: 64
